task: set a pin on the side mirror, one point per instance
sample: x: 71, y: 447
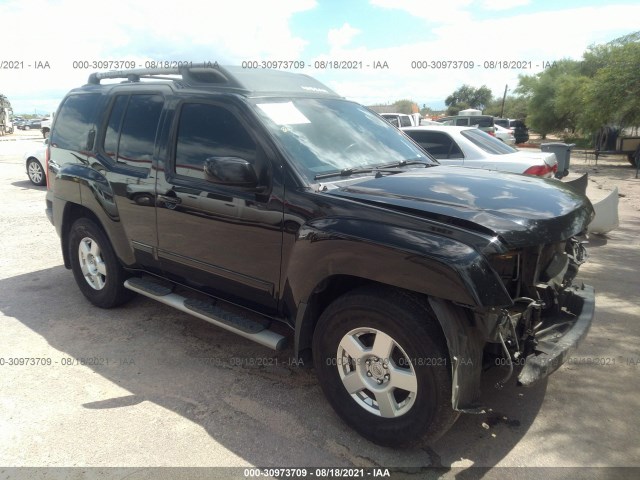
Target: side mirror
x: 231, y: 171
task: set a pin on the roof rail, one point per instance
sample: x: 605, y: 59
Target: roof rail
x: 192, y: 73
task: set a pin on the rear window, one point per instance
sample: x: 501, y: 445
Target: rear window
x: 75, y: 122
x: 483, y: 121
x: 405, y: 121
x: 486, y: 142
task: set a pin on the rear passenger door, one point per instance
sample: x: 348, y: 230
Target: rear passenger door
x: 128, y: 148
x: 224, y: 240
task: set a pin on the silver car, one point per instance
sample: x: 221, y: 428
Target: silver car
x: 35, y: 163
x: 471, y: 147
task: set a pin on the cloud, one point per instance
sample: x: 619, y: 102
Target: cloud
x: 539, y: 37
x: 66, y: 31
x: 341, y: 37
x: 433, y: 11
x: 504, y: 4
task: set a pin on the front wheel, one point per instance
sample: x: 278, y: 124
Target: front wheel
x: 96, y: 269
x: 382, y: 362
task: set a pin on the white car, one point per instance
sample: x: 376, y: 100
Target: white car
x: 398, y: 119
x: 471, y: 147
x: 505, y: 134
x: 35, y: 164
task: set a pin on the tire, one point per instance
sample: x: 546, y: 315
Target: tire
x: 27, y: 127
x: 96, y: 269
x: 631, y: 157
x: 368, y: 323
x: 45, y: 133
x: 36, y: 173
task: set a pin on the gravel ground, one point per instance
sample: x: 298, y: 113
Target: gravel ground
x: 145, y: 386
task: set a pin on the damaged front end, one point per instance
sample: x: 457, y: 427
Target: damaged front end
x: 549, y: 316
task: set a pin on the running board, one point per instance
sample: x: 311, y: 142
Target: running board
x: 245, y: 327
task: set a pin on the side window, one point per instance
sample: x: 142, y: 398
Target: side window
x: 405, y: 121
x: 438, y: 144
x: 75, y: 123
x: 139, y: 128
x: 462, y: 121
x: 113, y: 126
x: 209, y: 131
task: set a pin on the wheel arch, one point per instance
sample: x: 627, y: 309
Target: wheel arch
x: 464, y: 341
x: 73, y: 212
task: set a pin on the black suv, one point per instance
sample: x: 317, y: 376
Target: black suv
x: 520, y: 130
x: 248, y: 198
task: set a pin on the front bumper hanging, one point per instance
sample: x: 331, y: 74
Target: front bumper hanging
x: 561, y: 334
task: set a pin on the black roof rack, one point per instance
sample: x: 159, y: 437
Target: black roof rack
x: 233, y: 77
x: 190, y: 73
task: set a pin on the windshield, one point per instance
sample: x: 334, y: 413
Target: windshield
x: 486, y: 142
x: 328, y: 135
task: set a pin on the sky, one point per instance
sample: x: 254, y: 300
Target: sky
x: 47, y: 45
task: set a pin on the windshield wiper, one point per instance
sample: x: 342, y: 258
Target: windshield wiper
x: 379, y: 169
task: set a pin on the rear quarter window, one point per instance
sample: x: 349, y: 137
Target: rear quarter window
x: 75, y: 123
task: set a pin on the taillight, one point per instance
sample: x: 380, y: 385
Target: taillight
x: 46, y: 164
x: 541, y: 170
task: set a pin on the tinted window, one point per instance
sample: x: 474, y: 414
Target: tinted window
x: 74, y: 122
x: 503, y: 122
x: 462, y: 121
x: 405, y: 121
x: 139, y: 127
x: 209, y: 131
x: 113, y: 126
x: 438, y: 144
x: 486, y: 142
x: 482, y: 122
x: 393, y: 121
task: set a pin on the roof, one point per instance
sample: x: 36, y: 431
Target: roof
x: 250, y: 82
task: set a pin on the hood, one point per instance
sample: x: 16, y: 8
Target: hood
x: 521, y: 209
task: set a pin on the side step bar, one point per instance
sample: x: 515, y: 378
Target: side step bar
x: 243, y: 326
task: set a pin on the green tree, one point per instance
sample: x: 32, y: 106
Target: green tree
x: 468, y: 97
x: 613, y: 95
x: 543, y: 94
x: 404, y: 106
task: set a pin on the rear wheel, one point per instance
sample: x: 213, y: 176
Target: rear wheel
x: 36, y: 172
x: 96, y: 269
x: 382, y: 362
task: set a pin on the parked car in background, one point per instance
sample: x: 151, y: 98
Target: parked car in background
x: 483, y: 122
x: 520, y: 130
x: 33, y: 124
x: 35, y: 164
x: 505, y: 135
x: 471, y: 147
x: 399, y: 119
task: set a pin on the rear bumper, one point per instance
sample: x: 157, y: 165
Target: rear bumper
x: 563, y: 334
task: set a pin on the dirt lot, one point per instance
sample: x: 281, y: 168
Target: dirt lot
x: 145, y: 386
